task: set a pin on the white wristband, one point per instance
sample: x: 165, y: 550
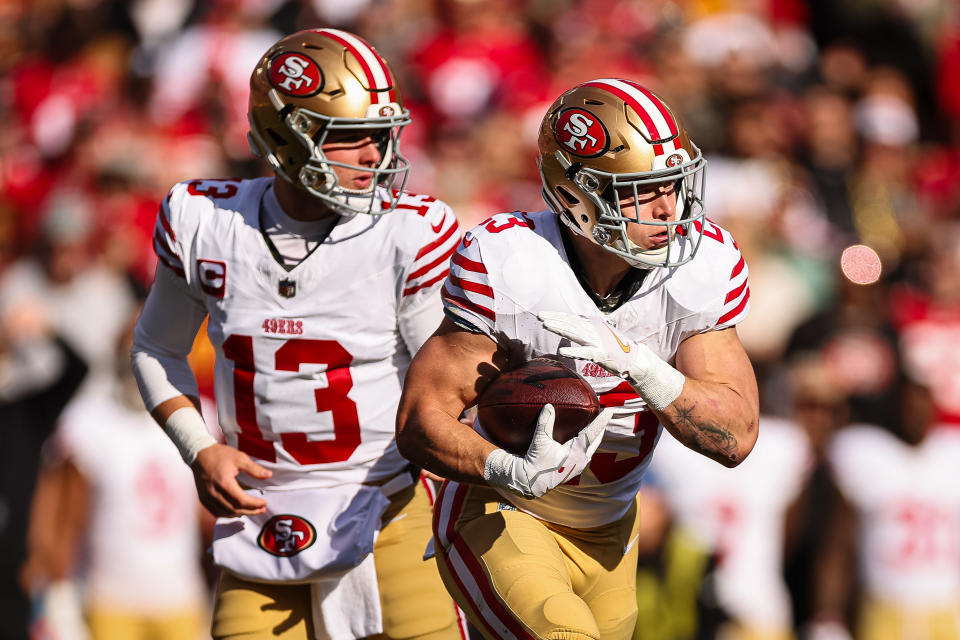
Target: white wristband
x: 498, y: 468
x: 657, y: 382
x: 186, y: 428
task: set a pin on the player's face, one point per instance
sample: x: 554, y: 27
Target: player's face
x: 651, y: 203
x: 358, y: 148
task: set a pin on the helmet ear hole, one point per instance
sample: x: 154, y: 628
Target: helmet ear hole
x: 566, y: 195
x: 277, y: 138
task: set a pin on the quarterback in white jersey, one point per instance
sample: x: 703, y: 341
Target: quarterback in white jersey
x: 622, y: 276
x: 319, y: 284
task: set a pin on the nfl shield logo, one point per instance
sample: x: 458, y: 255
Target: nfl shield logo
x: 287, y: 288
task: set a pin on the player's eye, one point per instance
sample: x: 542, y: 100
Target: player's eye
x: 381, y: 137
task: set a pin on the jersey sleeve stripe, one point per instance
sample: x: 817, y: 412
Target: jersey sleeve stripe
x: 159, y: 242
x: 175, y: 267
x: 737, y: 268
x: 444, y: 257
x: 166, y: 225
x: 733, y: 313
x: 436, y: 243
x: 733, y: 295
x: 467, y: 304
x: 468, y: 285
x: 423, y: 285
x: 468, y: 264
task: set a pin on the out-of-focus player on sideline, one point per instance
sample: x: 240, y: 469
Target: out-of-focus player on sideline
x: 893, y: 531
x: 320, y: 283
x: 146, y: 581
x: 739, y: 515
x: 626, y: 281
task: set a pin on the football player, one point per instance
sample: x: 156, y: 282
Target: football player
x: 626, y: 281
x: 891, y: 528
x: 319, y: 284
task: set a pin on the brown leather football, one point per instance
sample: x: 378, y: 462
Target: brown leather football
x: 509, y: 406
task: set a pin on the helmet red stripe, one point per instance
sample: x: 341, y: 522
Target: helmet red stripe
x: 674, y: 130
x: 368, y: 72
x: 640, y: 111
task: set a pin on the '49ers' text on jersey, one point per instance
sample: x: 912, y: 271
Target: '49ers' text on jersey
x: 511, y: 267
x: 310, y: 361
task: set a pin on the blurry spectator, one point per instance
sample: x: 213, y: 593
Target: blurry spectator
x: 676, y: 598
x: 39, y: 373
x: 155, y: 21
x: 843, y: 67
x: 819, y: 407
x: 611, y: 31
x: 886, y: 212
x: 127, y: 532
x: 201, y: 78
x: 831, y: 153
x: 686, y: 84
x: 889, y: 34
x: 760, y: 193
x: 738, y: 46
x: 739, y: 514
x: 947, y: 71
x: 84, y: 301
x: 855, y: 342
x: 480, y: 57
x: 8, y: 236
x: 895, y: 529
x: 926, y: 312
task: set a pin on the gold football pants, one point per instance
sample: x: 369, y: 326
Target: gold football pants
x: 112, y: 624
x: 879, y: 620
x: 517, y: 577
x: 413, y: 599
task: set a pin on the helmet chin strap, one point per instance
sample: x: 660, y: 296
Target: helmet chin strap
x: 649, y: 258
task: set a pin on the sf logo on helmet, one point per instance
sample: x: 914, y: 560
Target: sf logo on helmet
x: 295, y: 74
x: 581, y: 133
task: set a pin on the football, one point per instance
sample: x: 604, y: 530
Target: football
x: 508, y: 408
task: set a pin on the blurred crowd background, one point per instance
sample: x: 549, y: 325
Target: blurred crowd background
x: 825, y: 124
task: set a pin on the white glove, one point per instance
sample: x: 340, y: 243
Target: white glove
x: 656, y: 381
x: 547, y: 463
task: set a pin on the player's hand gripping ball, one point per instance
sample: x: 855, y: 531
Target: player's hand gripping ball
x: 509, y: 406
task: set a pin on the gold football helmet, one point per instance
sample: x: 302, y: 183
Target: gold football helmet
x: 602, y: 138
x: 317, y: 82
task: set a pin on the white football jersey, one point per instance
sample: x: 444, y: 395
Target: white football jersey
x: 739, y: 515
x: 143, y: 539
x: 513, y: 266
x: 310, y: 361
x: 908, y: 499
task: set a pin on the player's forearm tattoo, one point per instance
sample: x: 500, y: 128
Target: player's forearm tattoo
x: 702, y: 434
